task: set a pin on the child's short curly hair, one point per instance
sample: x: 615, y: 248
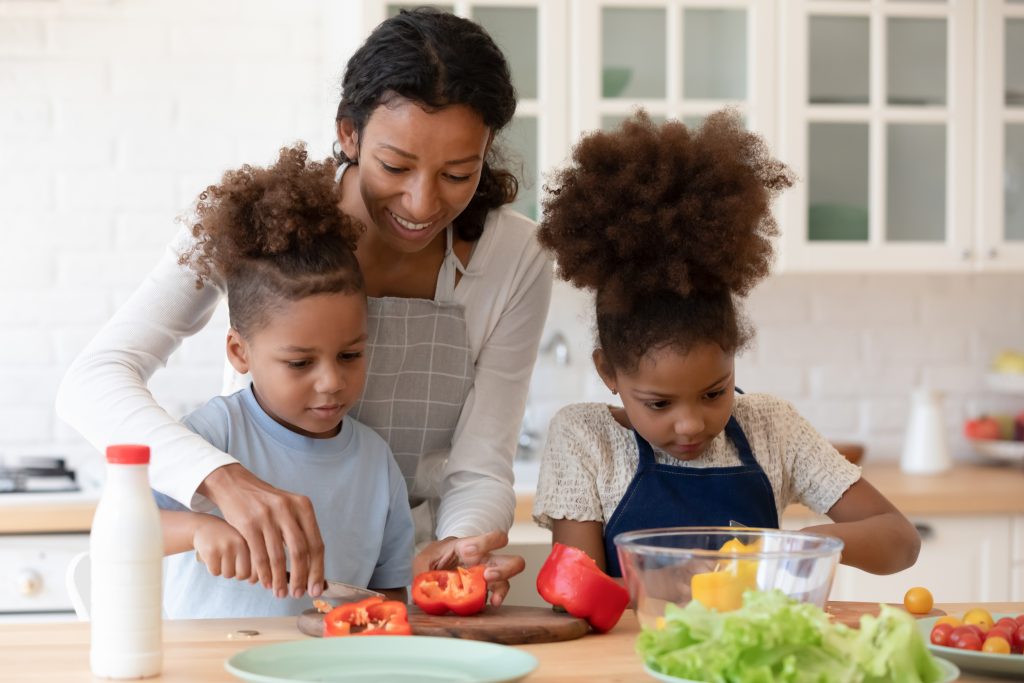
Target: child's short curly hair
x: 275, y: 235
x: 667, y: 224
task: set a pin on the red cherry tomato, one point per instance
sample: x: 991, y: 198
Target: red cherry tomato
x: 1007, y: 623
x: 940, y: 634
x: 969, y: 641
x: 960, y: 631
x: 1017, y: 640
x: 1019, y: 619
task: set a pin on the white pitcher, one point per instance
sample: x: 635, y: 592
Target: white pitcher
x: 925, y: 449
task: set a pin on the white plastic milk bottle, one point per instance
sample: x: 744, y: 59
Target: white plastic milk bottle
x: 126, y: 550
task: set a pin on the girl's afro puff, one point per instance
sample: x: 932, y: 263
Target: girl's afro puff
x: 662, y: 208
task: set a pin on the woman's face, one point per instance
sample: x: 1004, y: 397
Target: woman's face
x: 418, y: 170
x: 679, y: 402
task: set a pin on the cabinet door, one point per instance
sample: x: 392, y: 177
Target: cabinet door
x: 876, y: 117
x: 1000, y: 78
x: 963, y: 559
x: 531, y: 34
x: 680, y: 59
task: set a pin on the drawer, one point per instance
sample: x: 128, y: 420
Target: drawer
x: 33, y: 568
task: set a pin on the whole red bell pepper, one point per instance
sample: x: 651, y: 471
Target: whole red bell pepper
x: 463, y: 591
x: 571, y: 579
x: 375, y: 616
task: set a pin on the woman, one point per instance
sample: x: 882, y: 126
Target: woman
x: 459, y: 292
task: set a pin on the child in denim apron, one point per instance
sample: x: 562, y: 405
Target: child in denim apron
x: 669, y: 227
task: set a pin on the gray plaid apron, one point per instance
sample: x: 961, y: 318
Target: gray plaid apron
x: 419, y: 373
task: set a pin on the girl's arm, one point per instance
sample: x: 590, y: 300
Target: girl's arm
x: 877, y: 537
x: 587, y: 536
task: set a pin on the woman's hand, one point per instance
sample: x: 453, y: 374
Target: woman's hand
x: 270, y: 520
x: 471, y: 551
x: 222, y: 549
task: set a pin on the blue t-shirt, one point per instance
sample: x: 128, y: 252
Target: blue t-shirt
x: 357, y: 491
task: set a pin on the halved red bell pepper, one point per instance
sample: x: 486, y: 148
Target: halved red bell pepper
x: 461, y: 590
x: 374, y: 617
x: 571, y: 579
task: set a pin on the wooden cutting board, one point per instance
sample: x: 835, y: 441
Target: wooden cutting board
x: 506, y: 625
x: 849, y: 613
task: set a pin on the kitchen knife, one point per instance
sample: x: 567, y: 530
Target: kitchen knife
x: 344, y: 592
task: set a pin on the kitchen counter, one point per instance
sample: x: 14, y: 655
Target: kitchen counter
x: 39, y: 513
x: 965, y: 489
x: 197, y: 650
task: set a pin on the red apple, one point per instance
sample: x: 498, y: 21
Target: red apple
x: 982, y: 428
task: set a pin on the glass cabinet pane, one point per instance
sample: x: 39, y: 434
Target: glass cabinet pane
x: 838, y: 61
x: 715, y: 54
x: 1014, y: 183
x: 514, y: 29
x: 395, y: 8
x: 837, y: 181
x: 917, y: 61
x: 627, y: 69
x: 916, y: 188
x: 1015, y: 62
x: 520, y: 143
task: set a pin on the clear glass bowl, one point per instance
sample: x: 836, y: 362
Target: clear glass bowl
x: 661, y: 566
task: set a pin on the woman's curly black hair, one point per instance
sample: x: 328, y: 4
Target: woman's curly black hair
x: 275, y: 235
x: 668, y: 225
x: 437, y: 59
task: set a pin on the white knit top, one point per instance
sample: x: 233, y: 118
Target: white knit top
x: 590, y: 459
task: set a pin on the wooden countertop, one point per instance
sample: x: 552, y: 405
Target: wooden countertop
x: 963, y: 490
x: 995, y: 489
x: 197, y: 650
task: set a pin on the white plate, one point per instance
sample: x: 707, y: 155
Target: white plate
x: 373, y: 659
x: 1001, y: 450
x: 949, y: 673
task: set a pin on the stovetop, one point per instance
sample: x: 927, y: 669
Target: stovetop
x: 36, y: 474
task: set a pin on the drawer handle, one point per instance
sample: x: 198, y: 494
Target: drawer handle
x: 925, y: 531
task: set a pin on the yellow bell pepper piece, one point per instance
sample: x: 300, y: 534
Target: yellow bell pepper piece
x: 723, y: 588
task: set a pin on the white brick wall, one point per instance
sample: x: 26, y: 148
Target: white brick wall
x: 113, y: 115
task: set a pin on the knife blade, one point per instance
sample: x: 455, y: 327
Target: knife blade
x: 346, y: 592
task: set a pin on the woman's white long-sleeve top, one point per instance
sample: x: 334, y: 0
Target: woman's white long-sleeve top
x: 505, y: 290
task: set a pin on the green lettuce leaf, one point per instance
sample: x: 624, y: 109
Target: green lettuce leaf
x: 775, y: 639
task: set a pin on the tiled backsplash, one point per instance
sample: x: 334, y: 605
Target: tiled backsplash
x: 115, y: 114
x: 847, y: 350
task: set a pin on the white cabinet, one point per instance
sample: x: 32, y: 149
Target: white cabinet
x: 963, y: 559
x: 904, y: 120
x: 894, y: 114
x: 1017, y: 573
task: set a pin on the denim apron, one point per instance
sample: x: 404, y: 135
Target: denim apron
x: 669, y: 495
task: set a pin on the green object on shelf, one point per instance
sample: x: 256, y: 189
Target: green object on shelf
x: 837, y: 223
x: 614, y: 80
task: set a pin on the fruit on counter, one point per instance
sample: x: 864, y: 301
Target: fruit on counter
x: 984, y: 428
x: 775, y: 638
x: 370, y: 617
x: 918, y: 600
x: 460, y: 590
x: 978, y: 632
x: 1009, y: 361
x: 572, y: 580
x: 722, y: 589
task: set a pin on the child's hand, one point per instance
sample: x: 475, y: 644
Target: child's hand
x: 223, y: 550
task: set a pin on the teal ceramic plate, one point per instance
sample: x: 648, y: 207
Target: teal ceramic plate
x: 970, y: 660
x: 382, y: 658
x: 949, y: 673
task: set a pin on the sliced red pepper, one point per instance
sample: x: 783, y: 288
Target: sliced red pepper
x: 372, y: 616
x: 463, y: 591
x: 571, y: 579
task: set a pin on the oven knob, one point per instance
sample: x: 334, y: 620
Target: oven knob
x: 29, y: 582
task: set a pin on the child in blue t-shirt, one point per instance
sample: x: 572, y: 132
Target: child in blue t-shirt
x: 298, y: 318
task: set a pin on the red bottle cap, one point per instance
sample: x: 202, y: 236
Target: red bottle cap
x: 128, y: 454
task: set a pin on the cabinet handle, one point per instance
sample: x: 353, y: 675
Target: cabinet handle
x: 966, y: 254
x: 993, y: 252
x: 925, y: 531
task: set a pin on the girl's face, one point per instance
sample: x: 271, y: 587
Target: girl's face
x: 679, y: 402
x: 307, y: 361
x: 417, y: 170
